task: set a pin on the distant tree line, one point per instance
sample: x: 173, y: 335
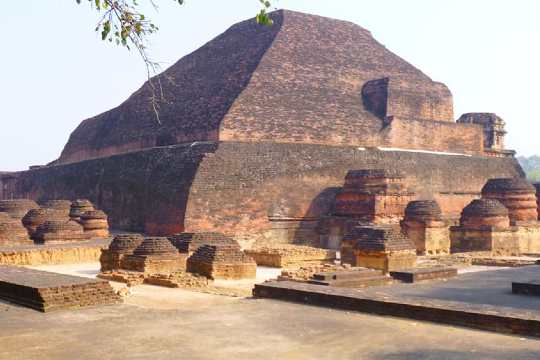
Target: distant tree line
x: 531, y: 166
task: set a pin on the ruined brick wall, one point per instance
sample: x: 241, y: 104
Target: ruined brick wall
x: 243, y: 189
x: 408, y: 133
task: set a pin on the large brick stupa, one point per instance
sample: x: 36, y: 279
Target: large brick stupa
x: 258, y: 129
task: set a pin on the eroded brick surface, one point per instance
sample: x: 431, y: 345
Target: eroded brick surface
x: 47, y: 291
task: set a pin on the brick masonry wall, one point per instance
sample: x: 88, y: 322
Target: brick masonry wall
x: 418, y: 100
x: 442, y: 136
x: 236, y: 188
x: 299, y: 81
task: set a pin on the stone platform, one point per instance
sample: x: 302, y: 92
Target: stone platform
x: 422, y: 274
x: 481, y: 300
x: 46, y: 291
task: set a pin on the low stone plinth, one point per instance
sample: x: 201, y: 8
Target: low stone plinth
x: 386, y: 261
x: 46, y: 291
x: 284, y: 256
x: 123, y: 276
x: 354, y: 278
x: 526, y: 288
x: 528, y: 235
x: 222, y: 262
x: 499, y: 241
x: 475, y: 315
x: 422, y: 274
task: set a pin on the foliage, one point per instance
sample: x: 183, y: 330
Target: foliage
x: 122, y: 23
x: 531, y: 166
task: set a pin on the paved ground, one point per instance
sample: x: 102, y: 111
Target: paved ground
x: 482, y: 288
x: 158, y: 323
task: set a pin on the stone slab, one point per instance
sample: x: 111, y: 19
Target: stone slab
x: 342, y: 275
x: 422, y: 274
x: 482, y: 300
x: 361, y: 282
x: 526, y: 288
x: 46, y: 291
x: 352, y: 279
x: 485, y: 317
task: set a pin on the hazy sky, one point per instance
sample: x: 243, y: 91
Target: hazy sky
x: 56, y: 72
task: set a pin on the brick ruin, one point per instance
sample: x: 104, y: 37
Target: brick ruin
x: 374, y: 195
x: 46, y: 291
x: 503, y: 222
x: 484, y: 226
x: 187, y: 260
x: 517, y: 195
x: 22, y: 221
x: 59, y: 231
x: 95, y: 224
x: 155, y: 255
x: 425, y: 225
x: 35, y: 217
x: 227, y: 262
x: 219, y: 163
x: 380, y: 247
x: 79, y: 207
x: 488, y: 225
x: 17, y: 208
x: 288, y: 255
x: 12, y: 232
x: 537, y: 187
x: 121, y: 245
x: 64, y: 206
x: 188, y: 243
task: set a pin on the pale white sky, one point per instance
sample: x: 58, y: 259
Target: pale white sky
x: 56, y: 72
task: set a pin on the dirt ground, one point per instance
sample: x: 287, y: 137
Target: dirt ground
x: 160, y: 323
